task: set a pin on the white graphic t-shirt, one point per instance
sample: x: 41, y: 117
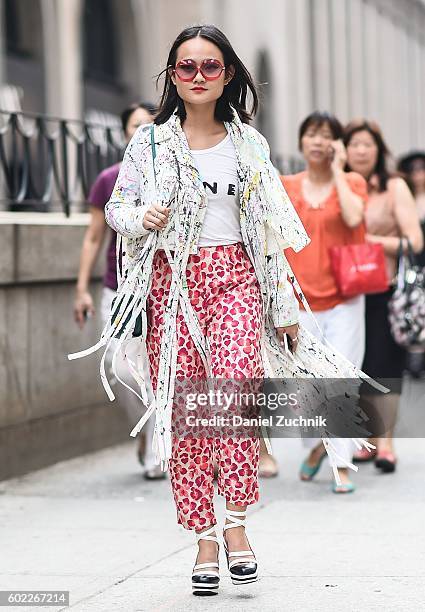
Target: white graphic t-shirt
x: 218, y: 170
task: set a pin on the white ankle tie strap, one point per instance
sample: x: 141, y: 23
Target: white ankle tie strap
x: 207, y: 535
x: 233, y: 516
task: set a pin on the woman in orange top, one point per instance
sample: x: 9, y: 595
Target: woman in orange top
x: 391, y: 214
x: 330, y: 204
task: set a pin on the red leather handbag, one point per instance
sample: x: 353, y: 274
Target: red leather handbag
x: 359, y: 268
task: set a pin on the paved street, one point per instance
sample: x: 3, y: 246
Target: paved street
x: 93, y: 526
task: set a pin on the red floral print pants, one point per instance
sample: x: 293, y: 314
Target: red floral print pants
x: 224, y: 292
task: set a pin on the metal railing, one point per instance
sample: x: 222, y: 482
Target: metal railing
x: 48, y: 163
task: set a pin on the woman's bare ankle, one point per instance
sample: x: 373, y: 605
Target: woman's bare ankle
x: 315, y: 455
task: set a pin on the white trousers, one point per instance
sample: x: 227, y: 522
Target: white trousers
x: 344, y: 327
x: 126, y: 398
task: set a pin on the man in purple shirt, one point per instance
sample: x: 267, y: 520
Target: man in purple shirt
x: 132, y: 118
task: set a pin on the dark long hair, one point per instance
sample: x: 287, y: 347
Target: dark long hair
x: 127, y: 112
x: 380, y: 170
x: 234, y: 94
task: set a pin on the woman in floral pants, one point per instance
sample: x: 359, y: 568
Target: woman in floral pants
x: 202, y: 221
x: 212, y: 325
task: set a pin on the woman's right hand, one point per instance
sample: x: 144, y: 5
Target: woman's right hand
x: 83, y: 308
x: 156, y: 217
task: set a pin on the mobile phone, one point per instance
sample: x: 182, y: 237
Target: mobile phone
x: 331, y: 153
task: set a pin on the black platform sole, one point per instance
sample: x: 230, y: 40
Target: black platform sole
x: 205, y: 591
x: 246, y: 580
x: 386, y: 466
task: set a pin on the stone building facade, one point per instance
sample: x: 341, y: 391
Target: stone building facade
x: 352, y: 57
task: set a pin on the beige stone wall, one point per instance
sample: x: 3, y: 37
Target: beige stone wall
x: 50, y: 408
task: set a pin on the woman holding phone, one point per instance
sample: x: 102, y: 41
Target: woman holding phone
x: 330, y: 204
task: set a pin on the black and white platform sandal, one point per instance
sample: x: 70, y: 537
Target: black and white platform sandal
x: 205, y: 578
x: 242, y: 566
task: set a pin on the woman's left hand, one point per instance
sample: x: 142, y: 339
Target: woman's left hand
x: 292, y: 332
x: 339, y: 156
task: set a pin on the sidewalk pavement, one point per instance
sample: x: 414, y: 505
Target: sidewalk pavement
x: 93, y: 526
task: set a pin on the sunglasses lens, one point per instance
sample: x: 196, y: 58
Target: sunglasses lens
x: 211, y: 69
x: 186, y: 70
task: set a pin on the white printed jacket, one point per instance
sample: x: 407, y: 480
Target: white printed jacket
x: 269, y: 225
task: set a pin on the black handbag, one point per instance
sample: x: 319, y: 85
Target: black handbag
x: 137, y: 331
x: 407, y: 304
